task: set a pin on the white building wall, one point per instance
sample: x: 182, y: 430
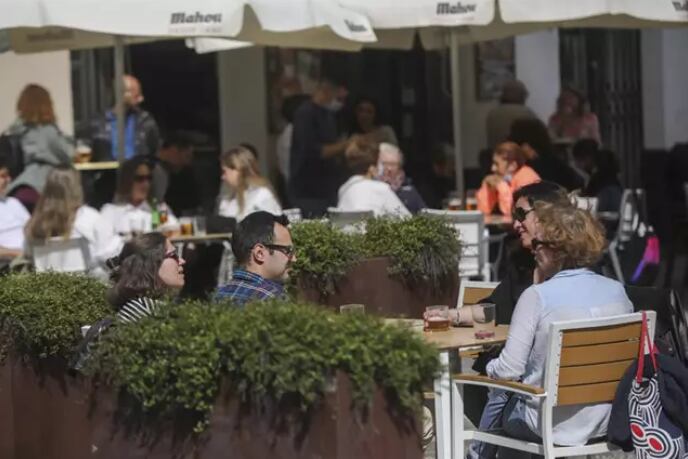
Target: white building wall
x: 665, y: 87
x: 243, y: 100
x: 537, y: 66
x: 51, y: 70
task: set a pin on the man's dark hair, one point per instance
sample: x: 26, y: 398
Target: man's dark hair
x: 4, y: 162
x: 534, y: 133
x: 514, y: 92
x: 256, y: 228
x: 542, y: 191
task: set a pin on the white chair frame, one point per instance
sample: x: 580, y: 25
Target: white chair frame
x: 547, y: 395
x: 349, y: 221
x: 466, y: 284
x: 45, y: 255
x: 479, y: 250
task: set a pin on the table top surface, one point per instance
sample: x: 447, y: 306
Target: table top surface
x: 97, y: 166
x: 455, y: 337
x: 201, y: 238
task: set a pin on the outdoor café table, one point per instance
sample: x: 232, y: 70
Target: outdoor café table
x: 453, y: 340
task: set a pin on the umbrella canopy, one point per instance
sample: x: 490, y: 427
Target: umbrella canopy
x: 41, y: 25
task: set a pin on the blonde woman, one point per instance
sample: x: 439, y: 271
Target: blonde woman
x: 60, y: 212
x: 249, y: 191
x: 568, y: 241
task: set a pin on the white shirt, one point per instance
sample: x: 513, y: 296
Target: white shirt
x: 127, y: 218
x: 363, y: 194
x: 569, y: 295
x: 13, y: 218
x: 255, y: 199
x: 103, y: 242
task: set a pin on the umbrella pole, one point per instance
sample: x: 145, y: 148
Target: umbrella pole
x: 119, y: 95
x: 456, y: 108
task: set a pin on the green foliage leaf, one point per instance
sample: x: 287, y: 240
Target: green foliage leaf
x: 42, y: 314
x: 275, y: 353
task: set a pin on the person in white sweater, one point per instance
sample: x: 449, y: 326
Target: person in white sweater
x: 60, y: 212
x: 362, y: 192
x: 249, y: 191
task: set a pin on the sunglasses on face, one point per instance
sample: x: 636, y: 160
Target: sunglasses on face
x: 143, y: 178
x: 172, y: 255
x: 287, y: 250
x: 519, y: 214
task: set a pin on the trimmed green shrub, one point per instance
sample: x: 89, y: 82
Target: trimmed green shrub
x: 41, y: 314
x: 324, y: 254
x: 423, y: 249
x: 270, y: 354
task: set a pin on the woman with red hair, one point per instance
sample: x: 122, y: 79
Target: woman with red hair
x: 38, y: 145
x: 509, y: 173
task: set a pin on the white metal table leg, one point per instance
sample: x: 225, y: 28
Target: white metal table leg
x: 443, y: 424
x: 457, y: 422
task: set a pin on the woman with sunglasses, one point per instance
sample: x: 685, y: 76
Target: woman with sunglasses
x: 567, y: 242
x: 509, y: 173
x: 249, y: 191
x: 132, y: 211
x: 146, y: 270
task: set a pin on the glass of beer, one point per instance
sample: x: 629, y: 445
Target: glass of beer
x: 82, y: 152
x: 186, y: 226
x: 484, y: 320
x: 436, y: 318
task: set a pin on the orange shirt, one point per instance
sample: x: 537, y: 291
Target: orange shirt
x: 502, y: 195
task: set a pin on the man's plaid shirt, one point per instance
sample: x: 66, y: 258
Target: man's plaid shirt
x: 246, y: 287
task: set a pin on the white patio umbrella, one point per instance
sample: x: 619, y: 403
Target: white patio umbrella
x: 43, y: 25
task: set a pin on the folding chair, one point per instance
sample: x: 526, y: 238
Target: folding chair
x: 472, y: 292
x: 585, y: 361
x: 629, y: 222
x: 586, y: 203
x: 470, y: 225
x: 62, y: 255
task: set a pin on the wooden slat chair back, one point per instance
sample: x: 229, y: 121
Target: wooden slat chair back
x: 473, y: 292
x: 585, y: 361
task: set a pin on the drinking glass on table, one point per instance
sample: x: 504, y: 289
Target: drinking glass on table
x: 187, y: 227
x: 436, y: 318
x: 484, y: 320
x: 82, y: 152
x: 200, y: 226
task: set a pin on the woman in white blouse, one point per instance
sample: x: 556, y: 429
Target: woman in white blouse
x: 132, y: 211
x: 567, y: 242
x: 363, y: 193
x: 60, y: 212
x: 250, y: 192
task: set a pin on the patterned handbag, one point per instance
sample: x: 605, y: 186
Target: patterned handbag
x: 654, y: 435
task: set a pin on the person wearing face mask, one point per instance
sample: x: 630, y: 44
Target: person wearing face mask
x: 567, y: 242
x: 391, y: 171
x: 132, y: 211
x: 314, y: 170
x: 147, y: 270
x: 264, y: 252
x: 13, y: 216
x: 509, y: 173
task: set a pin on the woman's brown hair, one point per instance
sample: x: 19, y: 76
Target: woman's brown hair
x: 576, y: 238
x: 56, y: 208
x: 511, y: 152
x: 244, y: 161
x: 35, y: 105
x: 135, y: 269
x: 127, y: 176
